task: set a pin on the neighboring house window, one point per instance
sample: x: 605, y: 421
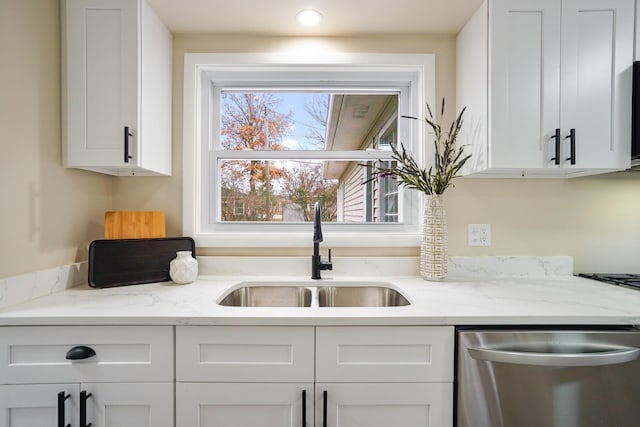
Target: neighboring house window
x: 388, y: 197
x: 369, y: 199
x: 388, y: 186
x: 381, y: 196
x: 238, y: 208
x: 250, y: 180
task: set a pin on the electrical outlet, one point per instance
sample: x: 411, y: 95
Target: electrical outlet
x: 479, y: 234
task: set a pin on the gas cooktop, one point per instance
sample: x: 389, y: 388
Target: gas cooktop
x: 627, y: 280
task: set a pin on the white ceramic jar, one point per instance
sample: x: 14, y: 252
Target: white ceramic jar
x: 183, y: 268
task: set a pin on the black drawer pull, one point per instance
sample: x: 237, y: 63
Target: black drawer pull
x: 83, y: 408
x: 324, y: 408
x: 80, y: 352
x: 556, y: 157
x: 304, y: 408
x: 127, y: 134
x: 572, y: 146
x: 62, y: 396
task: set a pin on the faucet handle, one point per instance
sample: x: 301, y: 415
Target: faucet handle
x: 327, y: 265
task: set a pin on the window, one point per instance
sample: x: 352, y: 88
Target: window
x: 248, y: 181
x: 381, y: 195
x: 238, y: 208
x: 388, y: 197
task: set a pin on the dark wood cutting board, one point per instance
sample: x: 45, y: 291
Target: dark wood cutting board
x: 121, y: 262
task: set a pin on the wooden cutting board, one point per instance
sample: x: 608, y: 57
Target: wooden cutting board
x: 133, y: 224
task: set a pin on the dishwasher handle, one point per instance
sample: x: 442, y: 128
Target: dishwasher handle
x: 601, y: 358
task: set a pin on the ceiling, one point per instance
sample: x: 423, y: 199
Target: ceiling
x: 341, y: 17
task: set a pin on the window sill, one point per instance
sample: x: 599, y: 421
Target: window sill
x: 277, y: 239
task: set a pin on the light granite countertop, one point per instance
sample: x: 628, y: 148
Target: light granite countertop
x: 473, y: 294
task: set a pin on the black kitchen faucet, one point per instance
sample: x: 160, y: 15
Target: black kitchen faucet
x: 317, y: 264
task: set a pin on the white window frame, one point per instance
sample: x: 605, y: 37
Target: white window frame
x: 417, y: 71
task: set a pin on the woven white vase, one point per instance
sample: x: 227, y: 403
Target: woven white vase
x: 434, y: 246
x: 183, y: 268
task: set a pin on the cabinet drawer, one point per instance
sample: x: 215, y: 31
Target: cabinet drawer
x: 37, y: 354
x: 385, y: 354
x: 244, y: 353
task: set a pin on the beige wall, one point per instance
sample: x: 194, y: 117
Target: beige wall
x: 596, y: 219
x: 48, y: 214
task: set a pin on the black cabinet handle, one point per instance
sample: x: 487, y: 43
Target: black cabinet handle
x: 83, y: 408
x: 556, y: 136
x: 572, y: 142
x: 127, y: 134
x: 304, y: 408
x: 324, y: 408
x: 62, y: 396
x: 80, y: 352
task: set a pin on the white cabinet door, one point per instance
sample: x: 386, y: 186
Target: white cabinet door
x: 597, y: 55
x: 525, y: 76
x: 384, y: 405
x: 244, y: 405
x: 117, y: 59
x: 107, y: 405
x: 38, y: 405
x: 130, y: 405
x: 101, y: 38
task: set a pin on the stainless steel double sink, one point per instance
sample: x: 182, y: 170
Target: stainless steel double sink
x: 301, y: 294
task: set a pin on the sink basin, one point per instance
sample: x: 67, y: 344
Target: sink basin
x: 301, y: 294
x: 360, y: 296
x: 268, y: 296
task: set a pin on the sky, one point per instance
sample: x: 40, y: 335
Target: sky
x: 295, y: 102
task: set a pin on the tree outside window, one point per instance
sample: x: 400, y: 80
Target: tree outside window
x: 273, y: 190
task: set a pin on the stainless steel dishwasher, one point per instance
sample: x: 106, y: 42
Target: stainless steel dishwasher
x: 548, y: 378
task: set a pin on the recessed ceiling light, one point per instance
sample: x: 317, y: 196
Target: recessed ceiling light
x: 309, y: 17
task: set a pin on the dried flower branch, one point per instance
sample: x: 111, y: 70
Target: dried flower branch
x: 448, y: 160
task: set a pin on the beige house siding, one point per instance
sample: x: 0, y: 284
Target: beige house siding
x: 353, y: 191
x: 353, y: 202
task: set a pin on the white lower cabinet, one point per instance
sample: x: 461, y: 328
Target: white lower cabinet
x: 226, y: 376
x: 38, y: 405
x: 304, y: 376
x: 105, y: 405
x: 98, y: 376
x: 129, y: 404
x: 244, y: 404
x: 384, y: 404
x: 384, y: 376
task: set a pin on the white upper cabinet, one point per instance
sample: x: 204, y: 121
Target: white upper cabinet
x: 116, y: 88
x: 547, y: 85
